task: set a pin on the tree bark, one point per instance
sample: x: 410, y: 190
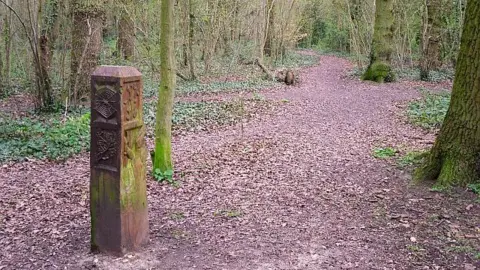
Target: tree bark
x: 126, y: 32
x: 455, y: 156
x: 86, y: 46
x: 2, y: 87
x: 432, y: 39
x: 163, y: 129
x: 46, y: 48
x: 270, y: 27
x: 191, y: 37
x: 7, y: 37
x: 380, y: 69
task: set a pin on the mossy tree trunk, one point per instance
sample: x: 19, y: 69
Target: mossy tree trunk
x: 126, y: 31
x: 432, y: 39
x: 163, y: 130
x: 380, y: 69
x: 88, y: 20
x: 455, y: 157
x: 47, y: 41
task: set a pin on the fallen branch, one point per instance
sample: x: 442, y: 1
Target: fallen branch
x: 182, y: 76
x: 269, y: 74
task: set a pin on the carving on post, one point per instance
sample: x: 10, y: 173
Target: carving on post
x: 106, y: 145
x: 118, y: 200
x: 105, y: 101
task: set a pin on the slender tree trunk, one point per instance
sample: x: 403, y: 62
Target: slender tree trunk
x: 163, y: 129
x: 86, y: 46
x: 191, y: 37
x: 268, y: 48
x: 380, y: 69
x: 7, y: 37
x: 126, y: 32
x: 455, y: 157
x: 432, y: 37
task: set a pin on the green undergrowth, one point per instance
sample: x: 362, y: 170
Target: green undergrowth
x: 413, y: 74
x: 429, y: 111
x: 402, y: 158
x: 384, y: 152
x: 297, y: 59
x: 411, y: 158
x: 44, y: 137
x: 410, y: 74
x: 236, y: 81
x: 54, y: 137
x: 205, y: 115
x: 475, y: 188
x: 196, y: 87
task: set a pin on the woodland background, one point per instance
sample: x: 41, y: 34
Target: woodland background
x: 43, y: 50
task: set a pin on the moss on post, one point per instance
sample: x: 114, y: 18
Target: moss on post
x: 380, y: 69
x: 455, y: 157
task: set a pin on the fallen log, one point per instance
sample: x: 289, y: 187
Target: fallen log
x: 288, y: 77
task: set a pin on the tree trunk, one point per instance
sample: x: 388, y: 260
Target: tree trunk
x: 380, y: 69
x: 163, y: 129
x: 7, y: 36
x: 431, y: 41
x: 2, y: 87
x: 270, y: 27
x: 191, y: 33
x: 86, y: 46
x: 126, y: 32
x: 46, y: 47
x: 455, y: 157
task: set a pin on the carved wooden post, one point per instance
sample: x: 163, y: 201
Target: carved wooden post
x: 118, y: 197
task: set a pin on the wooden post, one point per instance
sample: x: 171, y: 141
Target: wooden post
x: 118, y: 197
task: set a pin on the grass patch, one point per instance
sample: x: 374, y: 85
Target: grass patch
x: 411, y: 158
x: 440, y: 189
x: 475, y: 188
x: 467, y: 250
x: 429, y: 112
x: 231, y: 213
x: 415, y: 248
x: 384, y: 153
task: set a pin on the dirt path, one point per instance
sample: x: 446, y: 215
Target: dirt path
x: 295, y: 190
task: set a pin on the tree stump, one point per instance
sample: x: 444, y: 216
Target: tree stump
x: 118, y: 197
x: 289, y: 78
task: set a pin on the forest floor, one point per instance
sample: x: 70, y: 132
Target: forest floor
x: 295, y: 188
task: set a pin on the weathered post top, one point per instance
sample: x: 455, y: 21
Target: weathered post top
x: 118, y: 197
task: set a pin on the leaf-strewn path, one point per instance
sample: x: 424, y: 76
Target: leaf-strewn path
x: 295, y: 190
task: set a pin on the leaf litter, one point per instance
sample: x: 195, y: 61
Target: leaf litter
x: 294, y: 188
